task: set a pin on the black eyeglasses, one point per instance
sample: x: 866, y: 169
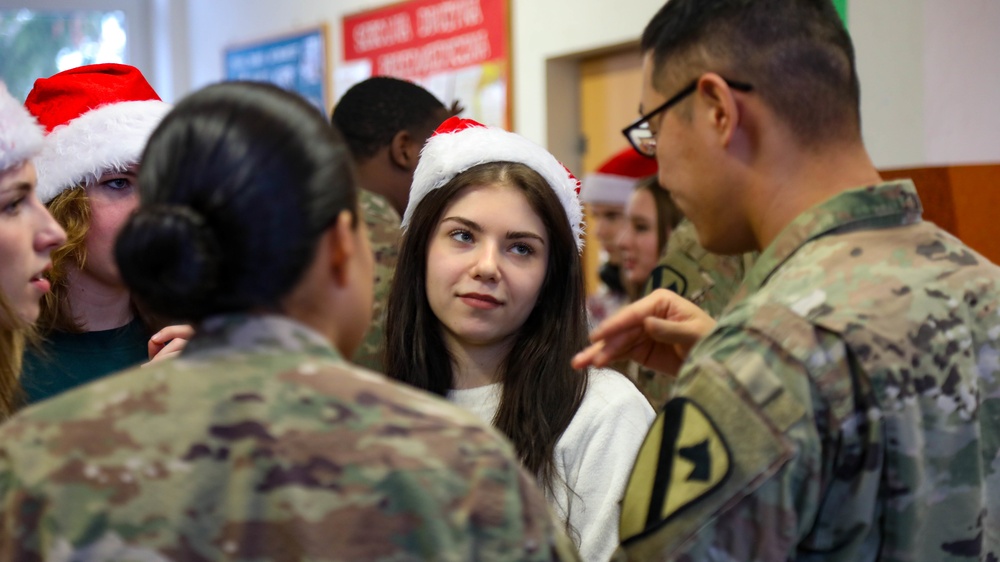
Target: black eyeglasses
x: 638, y: 133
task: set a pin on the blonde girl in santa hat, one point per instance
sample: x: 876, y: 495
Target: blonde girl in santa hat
x: 28, y: 234
x: 487, y: 308
x: 97, y: 119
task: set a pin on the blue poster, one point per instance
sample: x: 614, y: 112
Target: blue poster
x: 296, y: 63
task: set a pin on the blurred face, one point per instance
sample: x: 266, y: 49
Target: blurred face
x: 28, y: 234
x: 638, y: 241
x: 486, y: 262
x: 112, y: 199
x: 608, y: 221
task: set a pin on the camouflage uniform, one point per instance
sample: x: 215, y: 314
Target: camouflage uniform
x: 706, y: 279
x: 260, y: 442
x: 384, y: 233
x: 845, y: 408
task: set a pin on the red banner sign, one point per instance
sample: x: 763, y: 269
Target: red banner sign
x: 423, y: 37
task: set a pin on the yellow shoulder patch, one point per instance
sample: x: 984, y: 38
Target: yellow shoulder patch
x: 683, y: 459
x: 665, y: 277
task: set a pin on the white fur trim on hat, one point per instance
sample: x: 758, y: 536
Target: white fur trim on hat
x: 110, y: 137
x: 448, y: 154
x: 20, y: 135
x: 607, y: 189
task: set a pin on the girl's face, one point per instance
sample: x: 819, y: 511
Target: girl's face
x: 28, y: 234
x: 638, y: 241
x: 486, y: 262
x: 112, y: 199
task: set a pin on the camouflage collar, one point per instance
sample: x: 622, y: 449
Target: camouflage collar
x: 257, y: 333
x: 887, y: 204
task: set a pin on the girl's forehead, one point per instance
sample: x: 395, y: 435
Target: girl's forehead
x: 497, y: 196
x: 496, y: 205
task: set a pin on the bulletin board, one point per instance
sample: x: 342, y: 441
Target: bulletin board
x: 456, y: 49
x: 295, y: 62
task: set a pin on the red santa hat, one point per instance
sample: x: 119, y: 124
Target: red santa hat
x: 614, y: 181
x: 459, y: 144
x: 20, y: 135
x: 97, y: 118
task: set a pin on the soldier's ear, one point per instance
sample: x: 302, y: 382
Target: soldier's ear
x: 341, y: 247
x: 404, y: 151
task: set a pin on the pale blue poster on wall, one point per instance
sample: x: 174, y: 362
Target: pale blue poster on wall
x: 293, y: 62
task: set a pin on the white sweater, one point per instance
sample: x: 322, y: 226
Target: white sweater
x: 593, y: 458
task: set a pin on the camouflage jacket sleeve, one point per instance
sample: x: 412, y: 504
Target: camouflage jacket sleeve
x: 384, y: 235
x: 732, y: 467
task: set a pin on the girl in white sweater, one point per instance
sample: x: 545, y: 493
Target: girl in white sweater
x: 487, y: 308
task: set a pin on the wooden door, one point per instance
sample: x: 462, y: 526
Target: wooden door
x: 610, y: 86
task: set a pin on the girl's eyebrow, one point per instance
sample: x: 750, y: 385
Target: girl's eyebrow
x: 511, y: 234
x: 20, y: 186
x: 471, y: 225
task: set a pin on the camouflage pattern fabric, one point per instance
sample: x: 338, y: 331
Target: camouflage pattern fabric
x: 706, y: 279
x: 261, y: 443
x: 384, y: 234
x: 845, y: 408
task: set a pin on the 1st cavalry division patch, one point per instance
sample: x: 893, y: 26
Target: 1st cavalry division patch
x: 683, y: 459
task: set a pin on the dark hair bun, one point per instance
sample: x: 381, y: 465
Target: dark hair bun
x: 170, y: 256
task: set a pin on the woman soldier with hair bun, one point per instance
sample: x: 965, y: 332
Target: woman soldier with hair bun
x: 260, y: 441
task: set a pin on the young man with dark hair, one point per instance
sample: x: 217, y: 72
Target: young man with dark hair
x: 846, y: 406
x: 385, y: 122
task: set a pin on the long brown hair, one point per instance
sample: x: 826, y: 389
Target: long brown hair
x: 541, y: 392
x: 71, y: 209
x: 13, y: 333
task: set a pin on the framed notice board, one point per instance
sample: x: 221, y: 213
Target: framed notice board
x: 456, y: 49
x: 296, y: 62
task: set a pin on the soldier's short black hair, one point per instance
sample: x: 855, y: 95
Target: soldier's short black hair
x: 796, y: 54
x: 371, y: 113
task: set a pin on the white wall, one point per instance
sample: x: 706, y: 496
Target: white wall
x: 961, y: 81
x: 929, y: 69
x: 889, y: 52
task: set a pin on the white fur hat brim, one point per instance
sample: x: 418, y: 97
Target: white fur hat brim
x: 607, y: 189
x: 111, y: 137
x: 20, y: 135
x: 450, y: 153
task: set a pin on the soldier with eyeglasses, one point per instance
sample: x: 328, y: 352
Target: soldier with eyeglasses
x: 846, y: 405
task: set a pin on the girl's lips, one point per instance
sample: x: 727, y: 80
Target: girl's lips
x: 42, y: 284
x: 483, y: 302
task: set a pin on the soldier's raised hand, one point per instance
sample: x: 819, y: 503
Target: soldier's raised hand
x: 657, y: 331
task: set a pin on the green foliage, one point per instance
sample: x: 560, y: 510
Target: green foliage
x: 31, y: 41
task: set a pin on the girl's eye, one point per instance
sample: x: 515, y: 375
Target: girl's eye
x: 13, y: 207
x: 118, y: 183
x: 463, y: 236
x: 522, y: 249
